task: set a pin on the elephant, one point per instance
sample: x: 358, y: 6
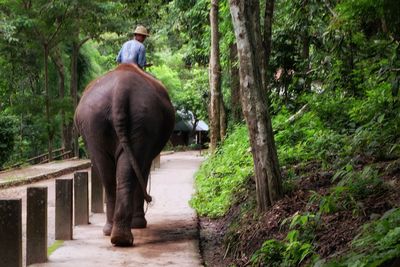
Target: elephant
x: 125, y: 118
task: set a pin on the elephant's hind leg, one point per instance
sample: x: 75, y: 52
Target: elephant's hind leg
x: 105, y: 166
x: 121, y: 234
x: 138, y: 219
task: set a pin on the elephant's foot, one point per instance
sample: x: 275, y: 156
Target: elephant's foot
x: 121, y: 237
x: 138, y: 222
x: 107, y: 228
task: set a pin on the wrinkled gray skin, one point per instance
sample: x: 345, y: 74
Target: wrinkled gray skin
x: 124, y: 117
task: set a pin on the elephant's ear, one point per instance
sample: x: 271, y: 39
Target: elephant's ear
x: 120, y: 109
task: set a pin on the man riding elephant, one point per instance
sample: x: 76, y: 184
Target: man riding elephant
x: 133, y: 51
x: 125, y: 118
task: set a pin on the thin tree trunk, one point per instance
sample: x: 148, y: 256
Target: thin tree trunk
x: 74, y: 93
x: 245, y: 14
x: 235, y: 86
x: 66, y: 133
x: 215, y: 78
x: 47, y: 101
x: 222, y: 121
x: 306, y: 48
x: 257, y: 44
x: 267, y: 42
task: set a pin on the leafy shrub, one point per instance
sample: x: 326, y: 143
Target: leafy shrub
x: 377, y: 244
x: 270, y: 252
x: 339, y: 198
x: 378, y: 137
x: 360, y: 183
x: 283, y: 253
x: 292, y: 251
x: 376, y: 119
x: 222, y: 174
x: 305, y: 223
x: 333, y: 109
x: 8, y: 130
x: 352, y: 187
x: 307, y: 139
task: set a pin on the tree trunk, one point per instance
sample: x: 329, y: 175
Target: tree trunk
x: 235, y: 86
x: 222, y: 119
x: 267, y: 42
x: 245, y: 18
x: 65, y: 130
x: 215, y: 78
x: 74, y: 93
x: 47, y: 101
x: 257, y: 40
x: 306, y: 48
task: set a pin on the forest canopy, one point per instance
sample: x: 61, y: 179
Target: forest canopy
x: 322, y: 104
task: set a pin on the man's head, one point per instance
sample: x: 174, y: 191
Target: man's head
x: 140, y: 33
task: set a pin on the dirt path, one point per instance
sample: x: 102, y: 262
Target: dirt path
x: 171, y: 238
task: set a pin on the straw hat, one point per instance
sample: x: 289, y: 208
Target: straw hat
x: 141, y: 30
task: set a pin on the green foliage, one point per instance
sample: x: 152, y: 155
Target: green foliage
x: 186, y: 86
x: 362, y: 183
x: 25, y: 30
x: 90, y: 64
x: 54, y: 246
x: 188, y: 25
x: 378, y: 124
x: 338, y: 126
x: 304, y: 222
x: 305, y: 139
x: 333, y: 109
x: 169, y: 78
x: 284, y: 254
x: 352, y: 188
x: 296, y: 250
x: 296, y: 247
x: 223, y: 174
x: 376, y: 245
x: 8, y: 131
x: 270, y: 253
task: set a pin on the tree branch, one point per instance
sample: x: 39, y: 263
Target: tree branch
x: 60, y: 24
x: 84, y: 40
x: 328, y: 6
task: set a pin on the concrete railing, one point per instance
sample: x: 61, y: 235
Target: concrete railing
x: 72, y: 201
x: 67, y: 190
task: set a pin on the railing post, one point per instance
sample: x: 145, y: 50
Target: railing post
x: 10, y: 233
x: 97, y: 194
x: 36, y: 225
x: 63, y: 229
x: 157, y: 161
x: 81, y: 198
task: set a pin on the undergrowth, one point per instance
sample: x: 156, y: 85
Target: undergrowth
x: 223, y: 174
x: 377, y: 244
x: 294, y: 249
x: 351, y: 188
x: 348, y: 147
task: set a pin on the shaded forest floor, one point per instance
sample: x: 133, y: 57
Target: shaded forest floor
x: 233, y: 239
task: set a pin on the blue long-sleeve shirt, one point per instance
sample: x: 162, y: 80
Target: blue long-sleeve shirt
x: 132, y: 51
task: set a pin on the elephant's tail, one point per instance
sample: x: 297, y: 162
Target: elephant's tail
x: 120, y: 104
x: 136, y: 169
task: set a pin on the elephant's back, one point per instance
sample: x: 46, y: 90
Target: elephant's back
x: 147, y: 95
x: 148, y: 101
x: 93, y: 113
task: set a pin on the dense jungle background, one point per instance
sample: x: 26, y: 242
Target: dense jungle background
x: 331, y: 90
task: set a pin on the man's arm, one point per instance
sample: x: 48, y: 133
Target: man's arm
x: 119, y: 57
x: 142, y: 57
